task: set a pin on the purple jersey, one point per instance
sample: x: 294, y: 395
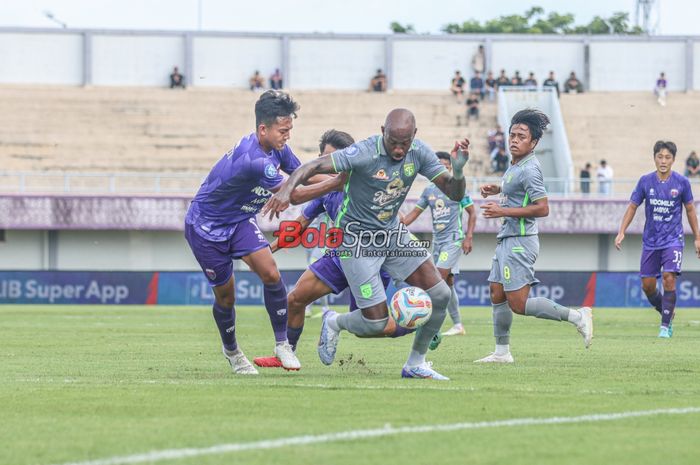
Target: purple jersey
x: 330, y: 203
x: 237, y: 188
x: 663, y: 226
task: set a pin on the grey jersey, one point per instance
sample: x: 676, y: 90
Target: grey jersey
x: 446, y: 213
x: 521, y: 185
x: 377, y: 184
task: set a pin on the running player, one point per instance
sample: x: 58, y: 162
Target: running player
x: 523, y: 199
x: 664, y: 192
x: 449, y: 239
x: 220, y: 224
x: 381, y: 170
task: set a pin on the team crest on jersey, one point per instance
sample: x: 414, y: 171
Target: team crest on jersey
x: 409, y: 169
x: 381, y: 175
x: 211, y: 274
x: 674, y: 193
x: 270, y: 171
x: 651, y: 191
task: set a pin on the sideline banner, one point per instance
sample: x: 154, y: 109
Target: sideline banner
x: 601, y: 289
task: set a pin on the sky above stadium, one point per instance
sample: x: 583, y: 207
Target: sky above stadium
x: 339, y: 16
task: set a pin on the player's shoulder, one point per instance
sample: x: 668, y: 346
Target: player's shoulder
x: 246, y: 145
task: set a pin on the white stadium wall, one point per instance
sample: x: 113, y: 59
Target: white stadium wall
x: 336, y: 61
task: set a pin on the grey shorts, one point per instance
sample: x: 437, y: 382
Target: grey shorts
x: 446, y: 255
x: 513, y: 266
x: 362, y: 272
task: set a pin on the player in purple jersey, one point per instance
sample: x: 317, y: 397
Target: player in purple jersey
x: 220, y: 224
x: 664, y: 192
x: 325, y: 275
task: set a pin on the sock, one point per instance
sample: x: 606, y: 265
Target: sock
x: 453, y: 308
x: 502, y: 321
x: 226, y: 322
x: 541, y: 307
x: 440, y: 295
x: 332, y: 320
x: 293, y: 335
x: 401, y: 331
x: 275, y: 296
x: 655, y: 300
x: 502, y: 349
x: 357, y: 324
x: 669, y: 306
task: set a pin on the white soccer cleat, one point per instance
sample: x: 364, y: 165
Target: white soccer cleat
x: 286, y: 355
x: 585, y: 327
x: 328, y: 341
x: 239, y: 363
x: 495, y: 358
x: 456, y: 330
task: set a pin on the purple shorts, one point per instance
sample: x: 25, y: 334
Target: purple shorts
x: 215, y: 258
x: 327, y: 269
x: 654, y: 261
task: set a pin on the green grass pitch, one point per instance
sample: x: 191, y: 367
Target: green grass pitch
x: 87, y: 383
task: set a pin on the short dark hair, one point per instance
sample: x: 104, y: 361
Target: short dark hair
x: 274, y: 104
x: 668, y: 145
x: 443, y: 155
x: 535, y: 120
x: 334, y: 138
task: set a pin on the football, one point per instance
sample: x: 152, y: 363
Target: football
x: 411, y: 307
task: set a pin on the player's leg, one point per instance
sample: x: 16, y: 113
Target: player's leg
x: 649, y: 271
x: 671, y: 260
x: 216, y: 263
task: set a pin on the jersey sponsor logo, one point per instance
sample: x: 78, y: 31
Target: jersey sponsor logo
x: 409, y: 169
x: 381, y: 175
x: 394, y: 190
x: 440, y: 210
x: 674, y: 193
x: 385, y: 215
x: 211, y: 274
x: 270, y: 171
x: 261, y: 191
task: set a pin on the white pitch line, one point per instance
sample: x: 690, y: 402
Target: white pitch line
x: 388, y: 430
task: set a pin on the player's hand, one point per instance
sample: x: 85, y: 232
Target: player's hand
x: 276, y: 204
x: 459, y: 156
x: 492, y: 210
x: 467, y: 245
x: 489, y: 189
x: 621, y: 237
x: 697, y: 247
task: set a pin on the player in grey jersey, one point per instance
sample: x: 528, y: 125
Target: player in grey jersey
x: 380, y: 171
x: 523, y: 198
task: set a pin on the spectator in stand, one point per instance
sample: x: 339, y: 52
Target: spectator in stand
x: 177, y: 79
x: 500, y: 161
x: 495, y: 138
x: 476, y: 85
x: 490, y: 86
x: 473, y: 106
x: 604, y: 174
x: 573, y: 85
x: 256, y: 82
x: 457, y: 87
x: 378, y: 82
x: 551, y: 81
x: 276, y: 81
x: 516, y: 80
x: 503, y: 79
x: 692, y: 165
x: 660, y: 89
x: 531, y: 81
x: 479, y: 61
x: 585, y: 176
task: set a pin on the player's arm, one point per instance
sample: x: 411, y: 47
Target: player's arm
x: 453, y: 185
x: 693, y: 222
x: 411, y: 217
x: 303, y: 223
x: 304, y: 194
x: 281, y: 199
x: 471, y: 224
x: 626, y: 221
x: 537, y: 209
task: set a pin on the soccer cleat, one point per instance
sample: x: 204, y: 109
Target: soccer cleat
x: 239, y: 363
x: 328, y: 341
x: 670, y: 329
x: 267, y: 362
x: 307, y: 312
x: 456, y: 330
x: 287, y: 357
x: 585, y: 327
x: 664, y: 333
x: 435, y: 341
x: 424, y: 371
x: 496, y: 358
